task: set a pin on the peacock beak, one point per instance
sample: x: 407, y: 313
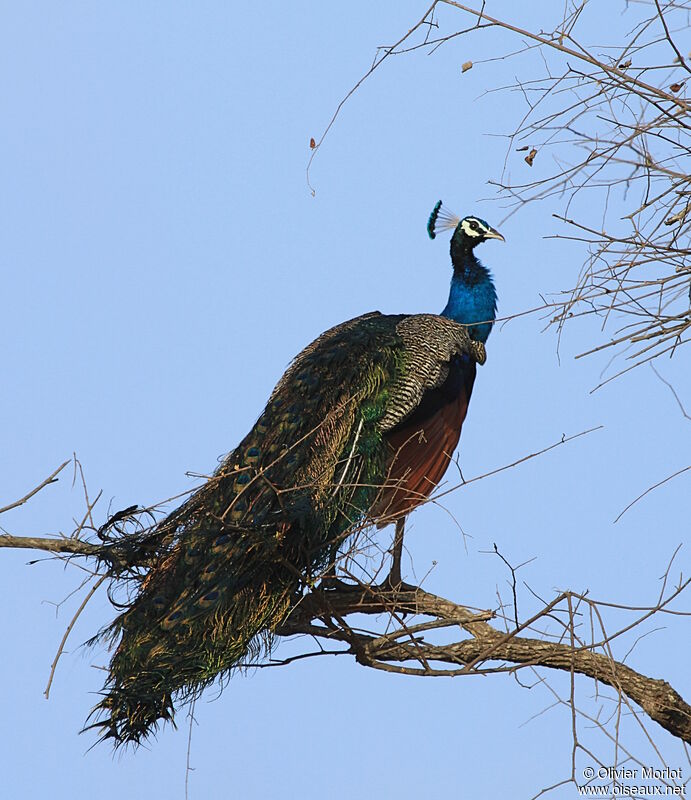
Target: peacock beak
x: 492, y: 234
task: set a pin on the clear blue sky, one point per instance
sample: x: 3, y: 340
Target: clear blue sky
x: 163, y: 260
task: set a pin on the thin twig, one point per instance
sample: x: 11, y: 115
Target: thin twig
x: 52, y: 478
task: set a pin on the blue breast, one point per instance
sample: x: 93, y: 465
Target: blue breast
x: 473, y: 302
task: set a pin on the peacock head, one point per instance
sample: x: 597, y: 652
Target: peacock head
x: 467, y: 232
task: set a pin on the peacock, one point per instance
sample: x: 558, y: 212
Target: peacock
x: 358, y: 431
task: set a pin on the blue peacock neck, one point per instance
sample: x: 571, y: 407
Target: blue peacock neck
x: 473, y: 298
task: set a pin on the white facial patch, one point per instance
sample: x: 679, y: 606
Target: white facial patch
x: 473, y: 227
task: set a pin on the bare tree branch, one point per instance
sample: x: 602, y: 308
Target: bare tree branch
x: 656, y: 697
x: 50, y: 479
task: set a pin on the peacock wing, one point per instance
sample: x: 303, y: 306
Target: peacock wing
x: 431, y: 343
x: 429, y: 404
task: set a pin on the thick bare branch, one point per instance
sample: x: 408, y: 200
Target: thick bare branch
x: 52, y: 545
x: 486, y: 644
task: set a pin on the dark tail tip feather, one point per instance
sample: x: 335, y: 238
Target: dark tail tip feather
x: 120, y: 718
